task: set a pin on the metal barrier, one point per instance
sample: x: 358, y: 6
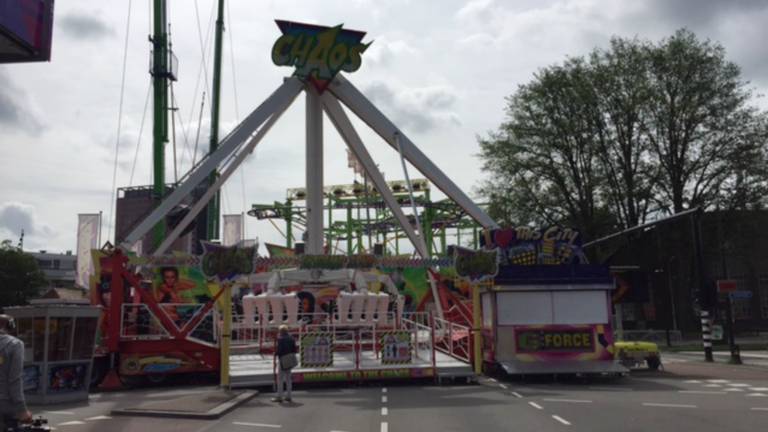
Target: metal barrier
x: 452, y: 339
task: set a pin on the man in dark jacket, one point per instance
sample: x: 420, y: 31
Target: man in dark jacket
x: 285, y: 346
x: 12, y: 404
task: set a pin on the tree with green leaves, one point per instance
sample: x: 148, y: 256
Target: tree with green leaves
x: 20, y: 277
x: 633, y: 131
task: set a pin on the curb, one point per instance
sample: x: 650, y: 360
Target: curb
x: 212, y: 414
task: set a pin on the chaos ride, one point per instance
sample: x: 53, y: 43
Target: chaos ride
x: 528, y: 293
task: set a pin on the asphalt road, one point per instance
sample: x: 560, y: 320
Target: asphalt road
x: 687, y: 396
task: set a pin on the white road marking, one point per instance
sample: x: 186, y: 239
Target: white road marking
x: 535, y: 405
x: 759, y: 409
x: 612, y: 388
x: 384, y: 411
x: 720, y: 381
x: 561, y: 420
x: 694, y: 381
x: 651, y: 404
x: 492, y: 379
x: 384, y: 390
x: 60, y: 412
x: 757, y: 395
x: 101, y: 417
x: 712, y: 392
x: 568, y: 400
x: 274, y: 426
x: 739, y: 385
x: 384, y: 427
x: 71, y: 423
x: 383, y: 399
x: 734, y: 390
x: 518, y: 395
x: 758, y: 389
x: 712, y: 385
x: 504, y: 386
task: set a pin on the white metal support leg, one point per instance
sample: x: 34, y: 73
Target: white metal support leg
x: 287, y: 91
x: 363, y: 108
x: 314, y: 172
x: 347, y: 131
x: 203, y: 201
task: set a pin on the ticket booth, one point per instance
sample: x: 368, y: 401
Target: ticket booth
x: 58, y: 342
x: 550, y: 320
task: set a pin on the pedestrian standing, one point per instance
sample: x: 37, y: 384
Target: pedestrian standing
x: 13, y: 408
x: 285, y: 354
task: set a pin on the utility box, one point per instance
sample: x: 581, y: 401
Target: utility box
x: 58, y: 350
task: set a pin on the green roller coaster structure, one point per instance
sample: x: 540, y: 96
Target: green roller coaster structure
x: 356, y: 214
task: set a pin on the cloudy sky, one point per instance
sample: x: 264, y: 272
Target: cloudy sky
x: 439, y: 69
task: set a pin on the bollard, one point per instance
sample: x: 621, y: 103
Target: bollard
x: 735, y: 355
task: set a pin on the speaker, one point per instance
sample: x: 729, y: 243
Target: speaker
x: 299, y: 248
x: 378, y: 249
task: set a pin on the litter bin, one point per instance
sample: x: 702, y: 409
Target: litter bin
x: 58, y: 342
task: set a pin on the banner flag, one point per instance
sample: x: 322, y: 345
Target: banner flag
x: 232, y: 233
x: 88, y: 228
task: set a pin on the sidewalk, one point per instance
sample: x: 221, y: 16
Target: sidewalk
x: 749, y: 358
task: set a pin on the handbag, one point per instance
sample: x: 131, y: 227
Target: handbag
x: 288, y: 361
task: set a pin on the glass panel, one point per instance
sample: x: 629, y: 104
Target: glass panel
x: 85, y: 329
x: 38, y: 344
x: 59, y: 338
x: 25, y: 332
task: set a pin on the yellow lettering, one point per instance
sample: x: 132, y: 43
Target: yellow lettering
x: 337, y: 56
x: 547, y: 339
x: 567, y: 340
x: 318, y: 58
x: 300, y: 50
x: 585, y: 339
x: 280, y: 55
x: 551, y: 233
x: 557, y: 340
x: 354, y: 61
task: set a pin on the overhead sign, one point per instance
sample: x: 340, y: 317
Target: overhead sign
x: 318, y: 52
x: 726, y: 285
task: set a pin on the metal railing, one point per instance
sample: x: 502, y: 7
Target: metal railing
x: 452, y: 339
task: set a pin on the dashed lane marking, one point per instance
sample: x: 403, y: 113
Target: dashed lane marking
x: 663, y: 405
x: 712, y: 385
x: 384, y: 427
x: 568, y: 400
x: 71, y: 423
x: 757, y: 395
x: 60, y: 412
x: 718, y: 381
x: 384, y: 390
x: 504, y: 386
x: 758, y: 389
x: 734, y: 390
x: 535, y: 405
x: 384, y: 411
x: 692, y: 381
x: 517, y: 395
x: 624, y: 389
x: 561, y: 420
x: 264, y: 425
x: 383, y: 399
x: 101, y: 417
x: 738, y: 385
x: 759, y: 409
x: 710, y: 392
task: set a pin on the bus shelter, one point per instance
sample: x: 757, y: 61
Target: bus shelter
x: 58, y: 342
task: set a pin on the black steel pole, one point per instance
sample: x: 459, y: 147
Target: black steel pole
x: 705, y: 299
